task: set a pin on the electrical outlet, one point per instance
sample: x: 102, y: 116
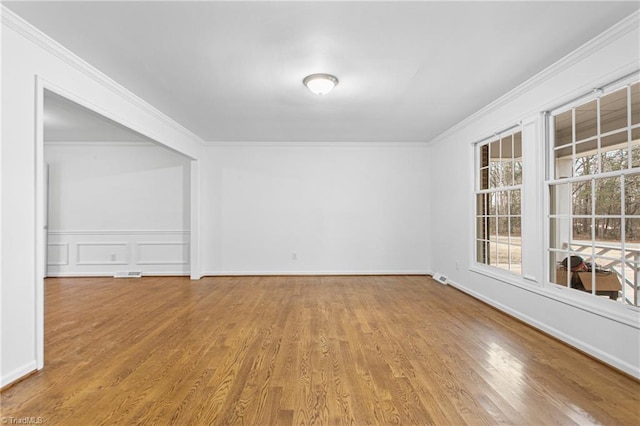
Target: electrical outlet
x: 294, y: 256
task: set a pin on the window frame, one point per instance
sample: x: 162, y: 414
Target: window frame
x: 478, y: 168
x: 599, y: 175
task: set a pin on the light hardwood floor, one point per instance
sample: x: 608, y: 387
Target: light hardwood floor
x: 304, y: 350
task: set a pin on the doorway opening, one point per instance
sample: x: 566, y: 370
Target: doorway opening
x: 110, y: 199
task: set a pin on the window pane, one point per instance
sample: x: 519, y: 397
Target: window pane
x: 582, y: 229
x: 495, y: 174
x: 507, y: 173
x: 493, y: 204
x: 493, y: 254
x: 503, y: 256
x: 482, y: 251
x: 586, y: 120
x: 613, y: 111
x: 482, y: 227
x: 556, y: 273
x: 608, y: 229
x: 482, y: 204
x: 515, y: 258
x: 517, y: 158
x: 517, y: 172
x: 503, y: 228
x: 515, y: 202
x: 608, y: 197
x: 493, y: 228
x: 484, y: 178
x: 495, y: 171
x: 635, y: 103
x: 581, y: 196
x: 484, y: 167
x: 506, y: 145
x: 632, y: 194
x: 559, y: 199
x: 632, y: 233
x: 563, y: 128
x: 614, y: 160
x: 559, y: 233
x: 503, y: 202
x: 515, y: 225
x: 614, y: 150
x: 586, y: 162
x: 635, y: 156
x: 564, y: 162
x: 484, y: 156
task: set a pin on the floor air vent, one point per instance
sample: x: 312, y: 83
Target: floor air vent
x: 440, y: 278
x: 128, y: 274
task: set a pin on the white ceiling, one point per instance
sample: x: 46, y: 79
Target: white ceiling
x: 232, y: 71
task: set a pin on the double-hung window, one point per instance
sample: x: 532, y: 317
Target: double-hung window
x: 594, y: 194
x: 498, y: 202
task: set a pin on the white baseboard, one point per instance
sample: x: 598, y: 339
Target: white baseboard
x: 294, y: 273
x: 17, y: 373
x: 605, y: 357
x: 110, y: 274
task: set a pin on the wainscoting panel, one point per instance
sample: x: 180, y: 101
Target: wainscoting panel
x: 105, y: 252
x: 58, y: 254
x: 162, y: 253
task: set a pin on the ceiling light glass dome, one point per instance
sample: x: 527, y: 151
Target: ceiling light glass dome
x: 320, y: 84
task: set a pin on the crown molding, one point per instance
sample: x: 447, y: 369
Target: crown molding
x: 303, y: 144
x: 33, y: 34
x: 619, y: 30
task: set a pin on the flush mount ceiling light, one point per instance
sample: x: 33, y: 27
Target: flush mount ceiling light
x: 320, y: 84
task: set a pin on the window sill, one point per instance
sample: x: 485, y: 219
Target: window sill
x: 615, y: 311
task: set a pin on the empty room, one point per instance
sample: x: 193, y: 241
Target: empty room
x: 320, y: 212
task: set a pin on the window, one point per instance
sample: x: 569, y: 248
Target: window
x: 594, y: 195
x: 498, y: 202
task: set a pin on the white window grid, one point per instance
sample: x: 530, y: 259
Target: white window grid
x: 596, y: 252
x: 493, y: 193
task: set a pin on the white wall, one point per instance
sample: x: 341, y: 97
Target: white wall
x: 341, y: 208
x: 606, y: 330
x: 117, y: 207
x: 29, y: 57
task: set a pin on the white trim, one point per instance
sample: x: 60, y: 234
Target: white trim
x: 609, y: 36
x: 319, y: 144
x: 17, y: 373
x: 120, y: 232
x: 595, y: 352
x: 39, y: 38
x: 40, y: 219
x: 109, y: 274
x: 319, y: 273
x: 195, y: 255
